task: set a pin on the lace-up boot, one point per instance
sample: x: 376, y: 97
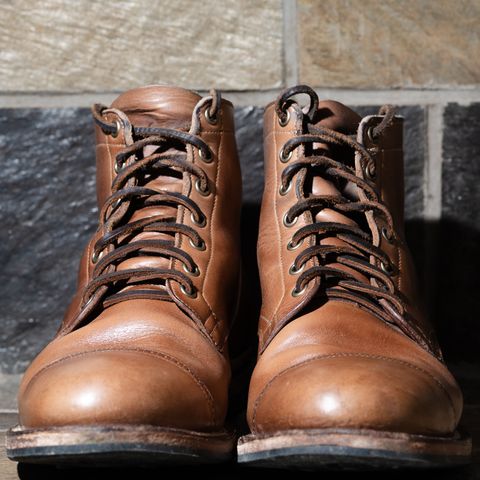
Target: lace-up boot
x: 139, y: 371
x: 349, y: 372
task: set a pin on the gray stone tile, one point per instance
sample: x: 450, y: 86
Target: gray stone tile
x: 47, y: 211
x: 458, y: 256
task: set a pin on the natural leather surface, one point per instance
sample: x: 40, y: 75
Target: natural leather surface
x: 330, y: 363
x: 144, y: 360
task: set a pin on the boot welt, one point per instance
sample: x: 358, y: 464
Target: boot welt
x: 346, y: 449
x: 107, y: 445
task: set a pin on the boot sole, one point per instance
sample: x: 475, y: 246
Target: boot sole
x: 118, y: 445
x: 344, y: 449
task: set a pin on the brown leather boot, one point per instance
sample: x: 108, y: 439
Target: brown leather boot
x: 139, y: 369
x: 349, y: 372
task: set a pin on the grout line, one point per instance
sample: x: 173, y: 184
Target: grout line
x: 290, y: 42
x: 256, y: 98
x: 433, y: 165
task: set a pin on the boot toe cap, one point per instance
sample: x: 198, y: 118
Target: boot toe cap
x: 117, y: 387
x: 354, y: 392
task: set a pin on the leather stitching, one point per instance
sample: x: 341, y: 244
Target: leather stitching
x: 347, y: 355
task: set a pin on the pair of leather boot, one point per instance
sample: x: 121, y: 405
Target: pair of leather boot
x: 348, y: 370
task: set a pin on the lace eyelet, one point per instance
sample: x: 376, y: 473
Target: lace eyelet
x: 193, y: 273
x: 291, y: 246
x: 192, y: 294
x: 387, y: 268
x: 370, y: 135
x: 287, y: 223
x: 96, y: 256
x: 206, y: 156
x: 386, y: 236
x: 200, y: 224
x: 118, y: 166
x: 369, y: 173
x: 295, y: 271
x: 204, y: 193
x: 118, y: 126
x: 297, y: 293
x: 116, y: 203
x: 211, y: 119
x: 283, y: 191
x: 201, y: 246
x: 285, y: 158
x: 284, y: 122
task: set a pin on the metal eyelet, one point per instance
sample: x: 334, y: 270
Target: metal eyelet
x: 201, y: 246
x: 291, y: 246
x: 283, y: 191
x: 200, y: 224
x: 386, y: 236
x: 118, y: 166
x: 287, y: 223
x: 297, y: 293
x: 96, y: 256
x: 370, y: 135
x: 284, y: 123
x: 192, y: 294
x: 115, y: 204
x: 211, y: 119
x: 294, y: 271
x: 194, y: 273
x: 371, y: 175
x: 118, y: 125
x: 206, y: 157
x: 204, y: 193
x: 285, y: 158
x: 387, y: 268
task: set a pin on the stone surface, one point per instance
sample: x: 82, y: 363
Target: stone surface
x: 47, y: 211
x: 406, y: 43
x: 49, y: 45
x: 458, y: 258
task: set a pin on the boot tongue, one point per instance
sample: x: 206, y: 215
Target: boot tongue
x: 161, y: 107
x: 338, y: 117
x: 158, y: 106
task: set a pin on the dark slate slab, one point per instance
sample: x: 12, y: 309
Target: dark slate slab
x: 47, y: 212
x: 458, y: 255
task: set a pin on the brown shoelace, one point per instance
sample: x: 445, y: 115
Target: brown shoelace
x: 359, y: 252
x: 111, y: 285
